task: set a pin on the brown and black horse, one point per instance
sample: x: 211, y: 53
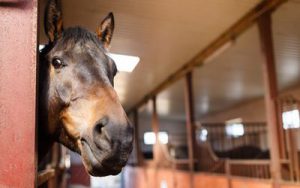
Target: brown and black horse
x: 78, y: 105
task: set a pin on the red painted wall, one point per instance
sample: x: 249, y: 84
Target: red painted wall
x: 18, y: 37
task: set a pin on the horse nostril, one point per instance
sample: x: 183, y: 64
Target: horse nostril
x: 100, y: 124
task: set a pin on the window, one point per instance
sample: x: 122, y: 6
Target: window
x: 203, y: 135
x: 107, y: 181
x: 149, y: 138
x: 163, y: 184
x: 291, y: 119
x: 234, y: 128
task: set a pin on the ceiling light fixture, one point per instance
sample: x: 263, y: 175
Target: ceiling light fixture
x: 125, y: 63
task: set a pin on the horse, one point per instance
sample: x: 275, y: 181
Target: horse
x: 77, y: 104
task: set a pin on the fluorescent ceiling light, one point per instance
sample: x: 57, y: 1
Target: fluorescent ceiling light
x: 291, y: 119
x: 235, y: 129
x: 149, y: 138
x: 125, y: 63
x: 163, y: 184
x: 163, y: 137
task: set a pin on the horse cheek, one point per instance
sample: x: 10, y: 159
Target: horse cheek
x: 64, y: 93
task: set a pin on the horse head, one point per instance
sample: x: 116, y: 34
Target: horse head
x: 79, y: 104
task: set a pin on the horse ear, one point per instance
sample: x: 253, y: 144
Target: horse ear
x: 53, y: 23
x: 105, y: 30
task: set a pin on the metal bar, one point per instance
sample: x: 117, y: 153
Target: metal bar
x: 271, y: 94
x: 230, y: 34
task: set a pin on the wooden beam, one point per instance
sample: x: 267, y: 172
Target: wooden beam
x: 271, y: 94
x: 229, y: 35
x: 190, y: 120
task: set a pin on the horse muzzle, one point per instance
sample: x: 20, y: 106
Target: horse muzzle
x: 106, y: 152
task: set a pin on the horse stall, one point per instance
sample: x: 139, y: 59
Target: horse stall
x: 150, y: 94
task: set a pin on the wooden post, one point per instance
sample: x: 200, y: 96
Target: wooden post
x: 139, y: 156
x: 18, y: 44
x: 293, y: 155
x: 282, y: 140
x: 155, y: 126
x: 155, y: 129
x: 189, y: 110
x: 228, y: 172
x: 271, y: 95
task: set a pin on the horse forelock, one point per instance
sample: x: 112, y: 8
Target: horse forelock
x: 79, y: 35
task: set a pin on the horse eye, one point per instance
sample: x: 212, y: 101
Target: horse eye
x: 57, y: 63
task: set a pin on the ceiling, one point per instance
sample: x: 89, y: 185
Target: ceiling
x: 166, y: 34
x: 235, y: 76
x: 230, y: 78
